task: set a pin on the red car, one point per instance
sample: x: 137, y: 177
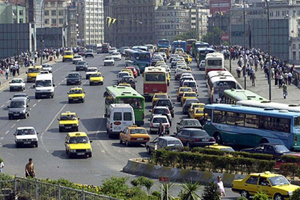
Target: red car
x: 135, y: 73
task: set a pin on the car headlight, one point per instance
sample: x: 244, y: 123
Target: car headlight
x: 10, y: 112
x: 290, y: 193
x: 61, y: 125
x: 72, y: 150
x: 34, y: 139
x: 74, y: 124
x: 88, y: 150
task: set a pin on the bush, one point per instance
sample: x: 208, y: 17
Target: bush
x: 143, y: 181
x: 260, y: 196
x: 211, y: 192
x: 115, y: 186
x: 289, y: 169
x: 296, y: 195
x: 242, y: 198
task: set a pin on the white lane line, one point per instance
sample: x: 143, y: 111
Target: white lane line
x: 6, y: 132
x: 1, y: 138
x: 28, y: 87
x: 18, y: 120
x: 39, y: 100
x: 13, y: 125
x: 34, y: 105
x: 2, y: 106
x: 54, y: 118
x: 8, y: 101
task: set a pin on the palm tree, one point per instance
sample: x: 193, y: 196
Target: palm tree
x: 166, y: 191
x: 188, y: 191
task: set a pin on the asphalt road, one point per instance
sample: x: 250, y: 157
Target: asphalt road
x: 50, y: 159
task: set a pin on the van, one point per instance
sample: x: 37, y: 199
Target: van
x: 118, y: 117
x: 18, y: 108
x: 44, y: 86
x: 68, y: 56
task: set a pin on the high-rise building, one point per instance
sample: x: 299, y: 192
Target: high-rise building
x: 90, y: 17
x: 55, y: 13
x: 12, y: 13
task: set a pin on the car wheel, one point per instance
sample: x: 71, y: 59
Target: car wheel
x: 121, y: 142
x: 148, y: 150
x: 244, y: 194
x: 83, y: 100
x: 25, y: 115
x: 188, y: 145
x: 70, y: 101
x: 60, y: 129
x: 127, y: 143
x: 17, y: 145
x: 36, y: 145
x: 218, y: 138
x: 278, y: 197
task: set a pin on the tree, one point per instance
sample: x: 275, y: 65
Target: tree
x: 188, y: 191
x: 187, y: 35
x: 213, y: 37
x: 143, y: 181
x: 115, y: 186
x: 166, y: 191
x: 211, y: 192
x: 260, y: 196
x: 296, y: 195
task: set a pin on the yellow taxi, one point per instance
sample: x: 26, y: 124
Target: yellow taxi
x: 216, y: 146
x: 188, y: 95
x: 193, y: 107
x: 68, y: 121
x: 76, y: 94
x: 159, y: 63
x: 78, y: 144
x: 187, y: 58
x: 128, y: 70
x: 157, y: 96
x: 96, y: 78
x: 124, y: 84
x: 32, y: 73
x: 68, y: 56
x: 134, y: 135
x: 276, y: 186
x: 197, y: 113
x: 181, y: 90
x: 166, y: 50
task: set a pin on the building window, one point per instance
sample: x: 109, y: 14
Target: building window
x: 277, y: 13
x: 294, y: 46
x: 294, y: 55
x: 61, y: 13
x: 271, y: 14
x: 53, y: 12
x: 46, y: 12
x: 53, y: 22
x: 61, y: 21
x: 46, y: 21
x: 21, y: 12
x: 21, y: 20
x: 284, y: 13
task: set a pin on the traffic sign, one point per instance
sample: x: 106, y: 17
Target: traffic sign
x: 164, y: 179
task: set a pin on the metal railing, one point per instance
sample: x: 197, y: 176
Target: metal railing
x: 24, y: 188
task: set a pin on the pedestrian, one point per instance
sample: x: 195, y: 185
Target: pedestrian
x: 221, y: 188
x: 253, y: 79
x: 284, y: 89
x: 276, y: 78
x: 161, y: 129
x: 6, y: 73
x: 290, y: 75
x: 1, y: 166
x: 286, y: 76
x: 29, y: 169
x: 280, y: 78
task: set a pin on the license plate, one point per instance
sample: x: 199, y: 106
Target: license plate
x: 67, y: 127
x: 118, y: 128
x: 140, y: 139
x: 80, y: 154
x: 27, y: 142
x: 205, y: 140
x: 16, y: 114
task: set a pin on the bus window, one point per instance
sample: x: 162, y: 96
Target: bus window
x: 156, y: 77
x: 134, y: 102
x: 214, y: 62
x: 251, y: 121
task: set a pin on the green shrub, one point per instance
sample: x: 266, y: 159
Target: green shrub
x: 260, y: 196
x: 296, y: 195
x: 242, y: 198
x: 289, y: 169
x: 211, y: 192
x: 115, y: 186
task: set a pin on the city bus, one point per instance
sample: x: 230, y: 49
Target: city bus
x: 179, y: 44
x: 248, y: 126
x: 155, y: 81
x: 234, y: 96
x: 163, y: 43
x: 126, y: 95
x: 139, y: 58
x: 196, y: 46
x: 214, y: 62
x: 216, y: 86
x: 201, y: 54
x: 269, y: 105
x: 189, y: 43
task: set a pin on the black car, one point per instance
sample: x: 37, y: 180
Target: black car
x: 188, y: 123
x: 89, y: 53
x: 187, y: 104
x: 270, y: 148
x: 164, y: 142
x: 129, y: 80
x: 81, y: 66
x: 166, y: 102
x: 74, y: 78
x: 192, y: 137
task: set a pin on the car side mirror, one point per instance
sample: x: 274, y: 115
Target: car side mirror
x: 178, y: 123
x: 150, y: 110
x: 37, y: 133
x: 15, y: 134
x: 33, y: 86
x: 53, y: 85
x: 91, y: 141
x: 67, y: 142
x: 9, y: 98
x: 7, y: 106
x: 105, y: 115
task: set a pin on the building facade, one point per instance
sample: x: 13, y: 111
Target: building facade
x: 90, y: 15
x: 55, y: 13
x: 11, y: 14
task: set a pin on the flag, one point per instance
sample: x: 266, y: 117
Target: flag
x: 110, y: 21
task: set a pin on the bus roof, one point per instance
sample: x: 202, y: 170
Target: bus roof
x: 239, y: 95
x: 212, y: 74
x: 206, y: 49
x: 155, y: 69
x: 118, y: 91
x: 135, y: 51
x: 269, y: 104
x: 223, y: 78
x: 251, y: 110
x: 214, y: 55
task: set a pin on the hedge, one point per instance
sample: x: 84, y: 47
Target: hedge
x: 215, y: 163
x: 234, y: 154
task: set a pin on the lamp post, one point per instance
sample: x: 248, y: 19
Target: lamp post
x: 245, y: 60
x: 229, y: 40
x: 269, y: 49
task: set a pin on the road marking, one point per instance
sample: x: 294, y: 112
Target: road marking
x: 28, y: 87
x: 54, y: 118
x: 13, y: 125
x: 18, y: 120
x: 8, y: 101
x: 34, y: 105
x: 1, y: 138
x: 2, y: 106
x: 39, y: 100
x: 6, y: 132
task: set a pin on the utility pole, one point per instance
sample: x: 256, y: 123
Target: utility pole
x: 245, y: 60
x: 269, y: 50
x: 229, y: 40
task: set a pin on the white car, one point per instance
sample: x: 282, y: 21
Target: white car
x: 17, y: 84
x: 26, y: 136
x: 112, y: 50
x: 202, y: 64
x: 155, y: 121
x: 116, y: 56
x: 109, y: 61
x: 89, y: 71
x: 76, y: 59
x: 161, y: 110
x: 167, y: 68
x: 120, y: 75
x: 164, y: 55
x: 47, y: 67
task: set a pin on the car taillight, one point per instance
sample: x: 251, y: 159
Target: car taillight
x: 168, y: 125
x: 117, y: 123
x: 212, y: 139
x: 196, y: 140
x: 110, y: 125
x: 132, y: 138
x: 295, y: 138
x: 151, y: 125
x: 169, y: 111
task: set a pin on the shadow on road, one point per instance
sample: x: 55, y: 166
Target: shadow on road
x: 94, y: 124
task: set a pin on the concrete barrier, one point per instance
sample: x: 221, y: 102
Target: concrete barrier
x: 136, y: 166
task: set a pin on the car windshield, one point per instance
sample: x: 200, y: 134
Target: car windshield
x: 16, y: 81
x: 20, y: 95
x: 77, y: 140
x: 188, y: 102
x: 136, y: 103
x: 92, y: 69
x: 198, y: 111
x: 192, y: 123
x: 68, y: 53
x: 80, y: 63
x: 17, y: 104
x: 227, y: 149
x: 163, y: 103
x: 73, y: 75
x: 108, y: 58
x: 29, y: 131
x: 279, y: 180
x: 160, y: 111
x: 96, y: 75
x: 138, y: 131
x: 123, y: 74
x: 77, y: 56
x: 160, y: 120
x: 190, y: 94
x: 75, y: 91
x: 159, y: 96
x: 189, y: 84
x: 281, y: 148
x: 68, y: 117
x: 185, y: 89
x: 115, y: 53
x: 127, y: 79
x: 43, y: 83
x: 33, y: 70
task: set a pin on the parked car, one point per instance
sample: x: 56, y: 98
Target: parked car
x: 194, y: 137
x: 163, y: 142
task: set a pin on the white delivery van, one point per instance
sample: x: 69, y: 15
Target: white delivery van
x: 44, y: 86
x: 118, y: 117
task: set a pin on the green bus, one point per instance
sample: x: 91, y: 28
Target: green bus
x: 126, y: 95
x: 231, y: 96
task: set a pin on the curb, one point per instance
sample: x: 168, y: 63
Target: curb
x: 137, y: 167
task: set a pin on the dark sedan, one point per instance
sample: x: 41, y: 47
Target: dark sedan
x: 187, y: 104
x: 188, y: 123
x: 270, y: 148
x: 194, y: 137
x: 81, y: 66
x: 73, y: 78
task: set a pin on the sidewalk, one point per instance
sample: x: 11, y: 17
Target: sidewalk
x: 262, y: 86
x: 5, y: 83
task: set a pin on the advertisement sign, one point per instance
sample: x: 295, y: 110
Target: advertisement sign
x: 219, y: 6
x: 225, y: 37
x: 164, y: 179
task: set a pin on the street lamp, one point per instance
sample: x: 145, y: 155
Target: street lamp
x: 245, y: 60
x: 269, y: 49
x: 229, y: 41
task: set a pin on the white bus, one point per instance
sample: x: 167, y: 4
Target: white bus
x: 212, y: 74
x: 214, y: 62
x: 270, y: 105
x: 217, y: 84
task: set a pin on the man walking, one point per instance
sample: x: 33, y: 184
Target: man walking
x: 220, y: 185
x: 284, y: 89
x: 29, y: 169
